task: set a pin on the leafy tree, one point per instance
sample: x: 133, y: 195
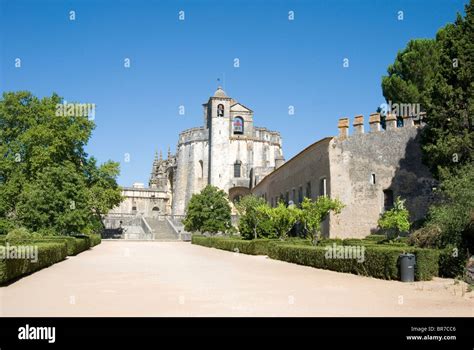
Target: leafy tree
x: 47, y: 181
x: 454, y: 214
x: 283, y: 219
x: 254, y: 220
x: 208, y: 211
x: 439, y: 74
x: 313, y: 213
x: 395, y: 220
x: 411, y: 77
x: 103, y: 191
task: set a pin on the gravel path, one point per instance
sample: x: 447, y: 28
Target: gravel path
x: 123, y: 278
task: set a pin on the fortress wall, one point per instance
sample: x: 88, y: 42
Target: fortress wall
x: 393, y: 156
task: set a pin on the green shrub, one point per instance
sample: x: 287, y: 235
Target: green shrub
x: 329, y: 241
x: 375, y: 238
x: 49, y: 253
x: 96, y: 239
x: 82, y: 242
x: 452, y: 262
x: 356, y: 241
x: 426, y: 237
x: 295, y: 240
x: 18, y: 235
x: 396, y: 220
x: 427, y: 263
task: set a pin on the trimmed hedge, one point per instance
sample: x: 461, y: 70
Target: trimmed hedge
x: 379, y: 261
x: 95, y: 239
x: 427, y: 263
x: 375, y: 238
x: 251, y: 247
x: 74, y: 245
x: 49, y: 253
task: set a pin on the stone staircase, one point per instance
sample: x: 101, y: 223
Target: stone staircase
x: 161, y: 229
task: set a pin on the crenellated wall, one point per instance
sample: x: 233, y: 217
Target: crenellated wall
x: 364, y: 165
x: 363, y: 169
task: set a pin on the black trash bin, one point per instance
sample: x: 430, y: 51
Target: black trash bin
x: 407, y: 267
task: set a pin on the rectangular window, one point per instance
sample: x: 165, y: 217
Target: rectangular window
x: 300, y: 194
x: 322, y: 187
x: 293, y: 196
x: 387, y: 199
x: 372, y: 179
x: 237, y: 169
x: 308, y: 190
x: 287, y: 197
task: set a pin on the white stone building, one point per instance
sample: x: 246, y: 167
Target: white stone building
x: 228, y: 151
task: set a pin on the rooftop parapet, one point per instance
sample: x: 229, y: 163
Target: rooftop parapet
x: 374, y: 122
x: 358, y: 124
x: 343, y: 126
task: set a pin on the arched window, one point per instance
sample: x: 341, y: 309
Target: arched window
x: 238, y: 126
x: 156, y: 209
x: 237, y: 168
x: 220, y: 110
x: 201, y: 169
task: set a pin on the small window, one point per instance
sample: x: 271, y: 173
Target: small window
x: 220, y: 110
x: 308, y: 189
x: 300, y: 194
x: 293, y: 195
x: 134, y: 209
x: 287, y: 197
x: 238, y: 126
x: 201, y: 173
x: 387, y: 199
x: 237, y: 168
x: 372, y: 179
x: 322, y: 187
x: 156, y: 209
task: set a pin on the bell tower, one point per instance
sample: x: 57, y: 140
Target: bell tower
x: 219, y: 122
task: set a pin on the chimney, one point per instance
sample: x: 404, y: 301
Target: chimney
x: 390, y: 121
x: 408, y: 121
x: 358, y: 124
x: 343, y: 126
x: 374, y: 121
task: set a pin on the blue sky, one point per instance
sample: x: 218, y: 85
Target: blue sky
x: 173, y: 63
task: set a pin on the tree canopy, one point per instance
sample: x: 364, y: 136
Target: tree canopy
x: 48, y: 183
x: 208, y: 211
x: 439, y: 74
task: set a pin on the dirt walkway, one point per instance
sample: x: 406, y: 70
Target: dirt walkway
x: 180, y: 279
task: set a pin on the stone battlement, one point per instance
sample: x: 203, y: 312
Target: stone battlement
x: 374, y: 123
x: 193, y: 134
